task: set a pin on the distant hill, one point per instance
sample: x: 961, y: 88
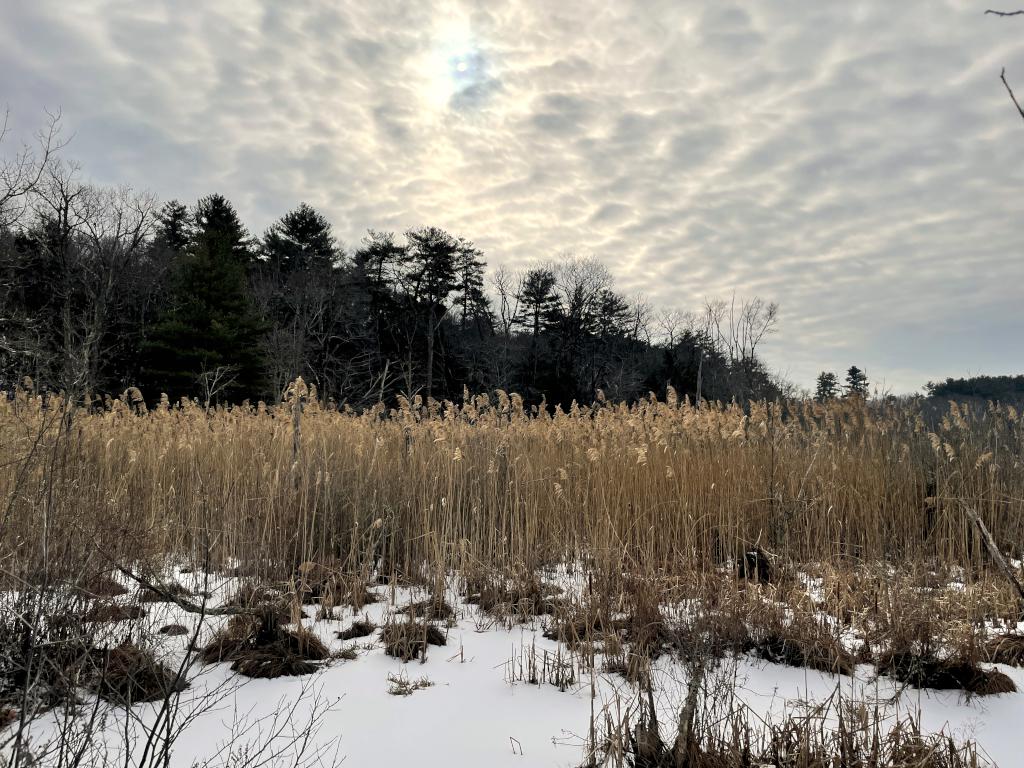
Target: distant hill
x: 1001, y: 388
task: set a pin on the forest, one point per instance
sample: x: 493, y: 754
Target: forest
x: 103, y: 289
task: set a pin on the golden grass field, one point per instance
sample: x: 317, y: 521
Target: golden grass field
x: 652, y: 487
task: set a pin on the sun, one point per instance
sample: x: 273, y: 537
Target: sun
x: 454, y: 62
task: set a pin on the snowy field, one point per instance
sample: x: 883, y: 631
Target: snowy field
x: 471, y: 709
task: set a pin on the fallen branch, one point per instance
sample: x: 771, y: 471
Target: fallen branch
x: 186, y: 605
x: 993, y: 549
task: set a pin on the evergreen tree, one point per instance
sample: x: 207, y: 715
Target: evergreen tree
x: 300, y: 240
x: 539, y: 300
x: 207, y: 340
x: 219, y: 231
x: 376, y: 266
x: 430, y: 271
x: 611, y: 314
x: 856, y: 382
x: 827, y: 387
x: 469, y: 286
x: 174, y: 226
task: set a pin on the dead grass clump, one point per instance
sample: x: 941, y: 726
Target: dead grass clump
x: 634, y: 667
x: 1006, y: 649
x: 409, y: 639
x: 260, y: 648
x: 272, y: 662
x: 273, y: 605
x: 795, y: 649
x: 521, y: 596
x: 648, y: 633
x: 575, y: 628
x: 250, y: 594
x: 400, y: 685
x: 128, y: 674
x: 956, y: 673
x: 431, y: 609
x: 359, y: 628
x: 112, y: 612
x: 100, y: 585
x: 540, y: 667
x: 863, y: 737
x: 318, y: 583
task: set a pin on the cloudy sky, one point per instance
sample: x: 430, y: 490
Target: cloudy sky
x: 857, y: 162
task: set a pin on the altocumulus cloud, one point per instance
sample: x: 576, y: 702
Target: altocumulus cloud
x: 857, y: 162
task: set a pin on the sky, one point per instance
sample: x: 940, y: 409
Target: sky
x: 858, y: 162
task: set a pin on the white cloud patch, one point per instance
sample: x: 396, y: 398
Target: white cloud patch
x: 859, y: 163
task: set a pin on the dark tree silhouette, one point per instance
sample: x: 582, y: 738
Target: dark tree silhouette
x: 856, y: 382
x: 827, y: 387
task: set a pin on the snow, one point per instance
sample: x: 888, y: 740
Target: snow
x: 472, y: 715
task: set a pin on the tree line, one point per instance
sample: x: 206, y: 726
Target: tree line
x: 103, y: 289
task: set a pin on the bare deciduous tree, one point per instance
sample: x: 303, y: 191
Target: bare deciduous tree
x: 20, y: 174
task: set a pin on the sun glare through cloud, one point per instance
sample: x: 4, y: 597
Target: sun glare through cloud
x: 456, y: 62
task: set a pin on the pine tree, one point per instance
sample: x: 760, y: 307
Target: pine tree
x: 174, y: 226
x: 540, y: 309
x: 827, y: 387
x: 856, y: 382
x: 219, y: 231
x: 209, y: 331
x: 300, y: 240
x: 469, y: 285
x: 430, y: 271
x: 611, y: 313
x: 539, y: 300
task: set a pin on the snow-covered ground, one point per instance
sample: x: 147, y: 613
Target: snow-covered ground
x: 472, y: 714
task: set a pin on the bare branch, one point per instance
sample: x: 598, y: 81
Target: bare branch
x: 186, y: 605
x: 22, y: 173
x: 1002, y: 76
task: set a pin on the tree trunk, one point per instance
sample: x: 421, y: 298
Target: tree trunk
x: 430, y: 353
